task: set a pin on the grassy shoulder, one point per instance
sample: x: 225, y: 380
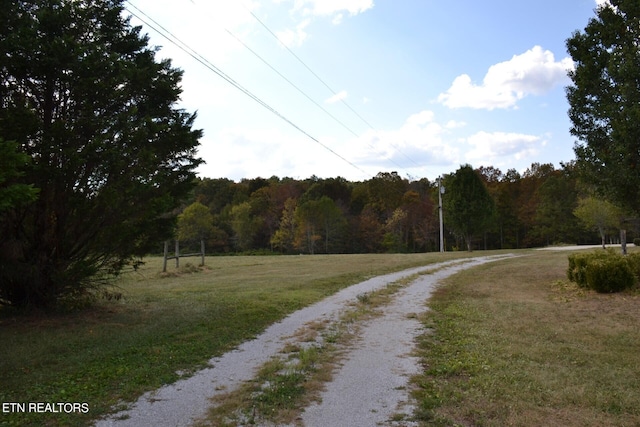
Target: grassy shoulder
x: 164, y: 326
x: 515, y: 343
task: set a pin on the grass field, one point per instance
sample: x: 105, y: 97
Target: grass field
x: 515, y: 344
x: 511, y: 343
x: 164, y: 324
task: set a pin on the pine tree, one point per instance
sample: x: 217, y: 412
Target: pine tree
x: 84, y: 97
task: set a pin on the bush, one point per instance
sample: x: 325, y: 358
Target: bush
x: 577, y: 269
x: 634, y: 262
x: 636, y: 241
x: 610, y: 274
x: 604, y: 271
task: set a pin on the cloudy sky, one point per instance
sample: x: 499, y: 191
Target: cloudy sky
x: 354, y: 87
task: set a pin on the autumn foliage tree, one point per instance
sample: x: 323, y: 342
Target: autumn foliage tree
x: 390, y: 214
x: 84, y: 98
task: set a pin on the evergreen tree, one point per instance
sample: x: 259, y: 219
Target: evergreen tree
x: 468, y: 207
x: 85, y: 99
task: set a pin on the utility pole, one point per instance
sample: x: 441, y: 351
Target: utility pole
x: 440, y: 193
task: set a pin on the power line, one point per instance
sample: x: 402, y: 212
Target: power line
x: 202, y: 60
x: 322, y: 81
x: 290, y: 82
x: 264, y: 61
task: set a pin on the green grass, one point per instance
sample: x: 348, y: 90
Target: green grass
x: 515, y: 343
x: 164, y: 324
x: 512, y: 342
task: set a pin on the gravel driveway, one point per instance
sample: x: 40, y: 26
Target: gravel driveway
x: 368, y: 389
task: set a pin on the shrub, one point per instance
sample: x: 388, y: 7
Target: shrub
x: 636, y: 241
x: 604, y: 271
x: 609, y: 274
x: 634, y: 262
x: 577, y: 269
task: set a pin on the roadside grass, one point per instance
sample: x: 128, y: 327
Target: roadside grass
x: 164, y: 327
x: 514, y: 343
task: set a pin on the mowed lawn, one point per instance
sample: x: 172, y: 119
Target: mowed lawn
x: 164, y: 326
x: 514, y: 343
x: 510, y: 342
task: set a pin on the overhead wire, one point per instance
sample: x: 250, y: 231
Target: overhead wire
x: 290, y: 82
x: 274, y: 35
x: 202, y: 60
x: 341, y: 123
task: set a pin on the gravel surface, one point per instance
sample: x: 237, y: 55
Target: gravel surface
x: 577, y: 247
x: 371, y: 387
x: 368, y: 389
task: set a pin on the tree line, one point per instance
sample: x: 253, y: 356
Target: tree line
x: 96, y: 161
x: 484, y: 208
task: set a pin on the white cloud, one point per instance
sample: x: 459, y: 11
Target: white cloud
x: 312, y: 9
x: 295, y: 37
x: 332, y: 7
x: 500, y: 148
x: 420, y: 119
x: 531, y: 73
x: 453, y: 124
x: 337, y: 97
x: 417, y: 146
x: 420, y: 147
x: 241, y: 152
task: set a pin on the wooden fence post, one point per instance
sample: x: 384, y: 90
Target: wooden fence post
x: 177, y: 254
x: 202, y: 250
x: 166, y: 254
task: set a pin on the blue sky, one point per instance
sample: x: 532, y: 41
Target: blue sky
x: 417, y: 87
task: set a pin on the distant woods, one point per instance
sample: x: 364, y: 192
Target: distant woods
x: 484, y: 208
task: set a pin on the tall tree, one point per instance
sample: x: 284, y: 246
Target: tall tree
x: 395, y: 238
x: 195, y: 223
x: 319, y: 221
x: 307, y: 232
x: 245, y: 225
x: 369, y: 231
x: 604, y: 101
x: 507, y: 199
x: 467, y: 204
x: 283, y: 237
x: 385, y: 192
x: 598, y: 214
x: 557, y: 198
x: 84, y: 97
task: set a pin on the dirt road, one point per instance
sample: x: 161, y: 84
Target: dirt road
x: 369, y: 388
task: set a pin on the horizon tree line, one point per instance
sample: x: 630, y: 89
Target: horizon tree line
x: 484, y: 208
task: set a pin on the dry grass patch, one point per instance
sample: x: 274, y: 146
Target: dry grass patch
x: 514, y: 343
